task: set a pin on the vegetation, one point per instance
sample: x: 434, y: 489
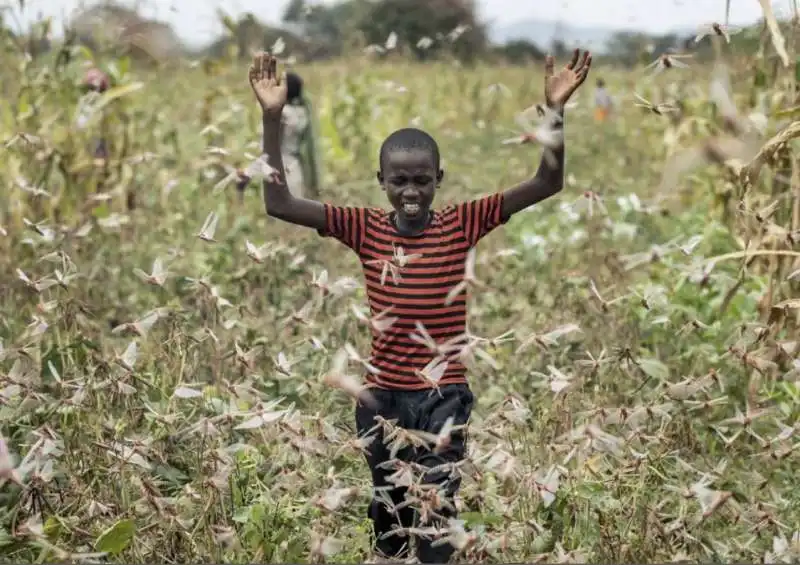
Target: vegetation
x: 443, y: 30
x: 163, y: 396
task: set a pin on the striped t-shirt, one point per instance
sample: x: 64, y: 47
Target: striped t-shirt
x: 420, y: 293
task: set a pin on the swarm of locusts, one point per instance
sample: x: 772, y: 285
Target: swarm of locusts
x: 176, y: 379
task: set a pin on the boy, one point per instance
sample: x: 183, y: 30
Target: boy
x: 439, y: 241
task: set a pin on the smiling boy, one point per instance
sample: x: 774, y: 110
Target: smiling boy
x: 439, y: 242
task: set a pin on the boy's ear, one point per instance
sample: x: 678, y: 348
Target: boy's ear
x: 439, y: 176
x: 380, y: 178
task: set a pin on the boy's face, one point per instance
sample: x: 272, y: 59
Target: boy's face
x: 410, y: 179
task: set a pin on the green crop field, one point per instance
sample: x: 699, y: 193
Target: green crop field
x: 189, y: 420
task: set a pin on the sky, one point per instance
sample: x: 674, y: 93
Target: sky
x: 196, y: 24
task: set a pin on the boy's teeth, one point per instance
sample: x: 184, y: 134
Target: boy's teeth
x: 411, y: 207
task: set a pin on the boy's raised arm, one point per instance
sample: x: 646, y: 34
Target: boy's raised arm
x: 549, y: 178
x: 270, y: 91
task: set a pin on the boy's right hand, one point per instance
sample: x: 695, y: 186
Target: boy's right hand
x: 268, y: 86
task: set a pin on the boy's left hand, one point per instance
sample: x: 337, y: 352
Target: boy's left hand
x: 559, y: 87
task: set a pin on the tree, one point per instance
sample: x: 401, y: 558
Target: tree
x: 453, y: 26
x: 520, y: 51
x: 248, y: 34
x: 628, y: 47
x: 122, y: 30
x: 295, y: 12
x: 328, y: 28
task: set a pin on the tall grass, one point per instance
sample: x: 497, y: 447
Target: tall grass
x: 658, y: 428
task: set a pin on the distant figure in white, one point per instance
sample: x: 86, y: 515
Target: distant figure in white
x: 298, y: 142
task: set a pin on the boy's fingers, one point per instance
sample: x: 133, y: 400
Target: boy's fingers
x: 587, y: 65
x: 574, y: 60
x: 583, y: 62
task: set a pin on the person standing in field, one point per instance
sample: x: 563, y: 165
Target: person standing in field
x: 602, y: 101
x: 298, y: 142
x: 425, y: 289
x: 97, y: 81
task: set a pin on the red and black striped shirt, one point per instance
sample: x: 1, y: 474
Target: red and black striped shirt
x: 423, y: 284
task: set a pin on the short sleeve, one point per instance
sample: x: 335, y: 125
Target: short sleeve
x: 479, y: 217
x: 346, y: 224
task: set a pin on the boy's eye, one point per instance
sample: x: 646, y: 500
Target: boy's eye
x: 419, y: 180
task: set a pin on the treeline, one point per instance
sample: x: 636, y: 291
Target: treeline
x: 424, y: 29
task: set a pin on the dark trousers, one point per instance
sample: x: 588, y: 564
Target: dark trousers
x: 425, y: 410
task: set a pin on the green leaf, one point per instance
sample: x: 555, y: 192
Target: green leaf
x: 101, y: 211
x: 124, y: 66
x: 760, y: 79
x: 654, y: 368
x: 117, y: 92
x: 792, y: 113
x: 477, y: 518
x: 53, y: 527
x: 228, y: 22
x: 116, y: 538
x: 242, y: 515
x: 84, y: 52
x: 544, y: 543
x: 797, y: 69
x: 171, y: 474
x: 5, y: 538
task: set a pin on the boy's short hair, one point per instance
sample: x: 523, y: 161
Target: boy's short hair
x: 407, y: 139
